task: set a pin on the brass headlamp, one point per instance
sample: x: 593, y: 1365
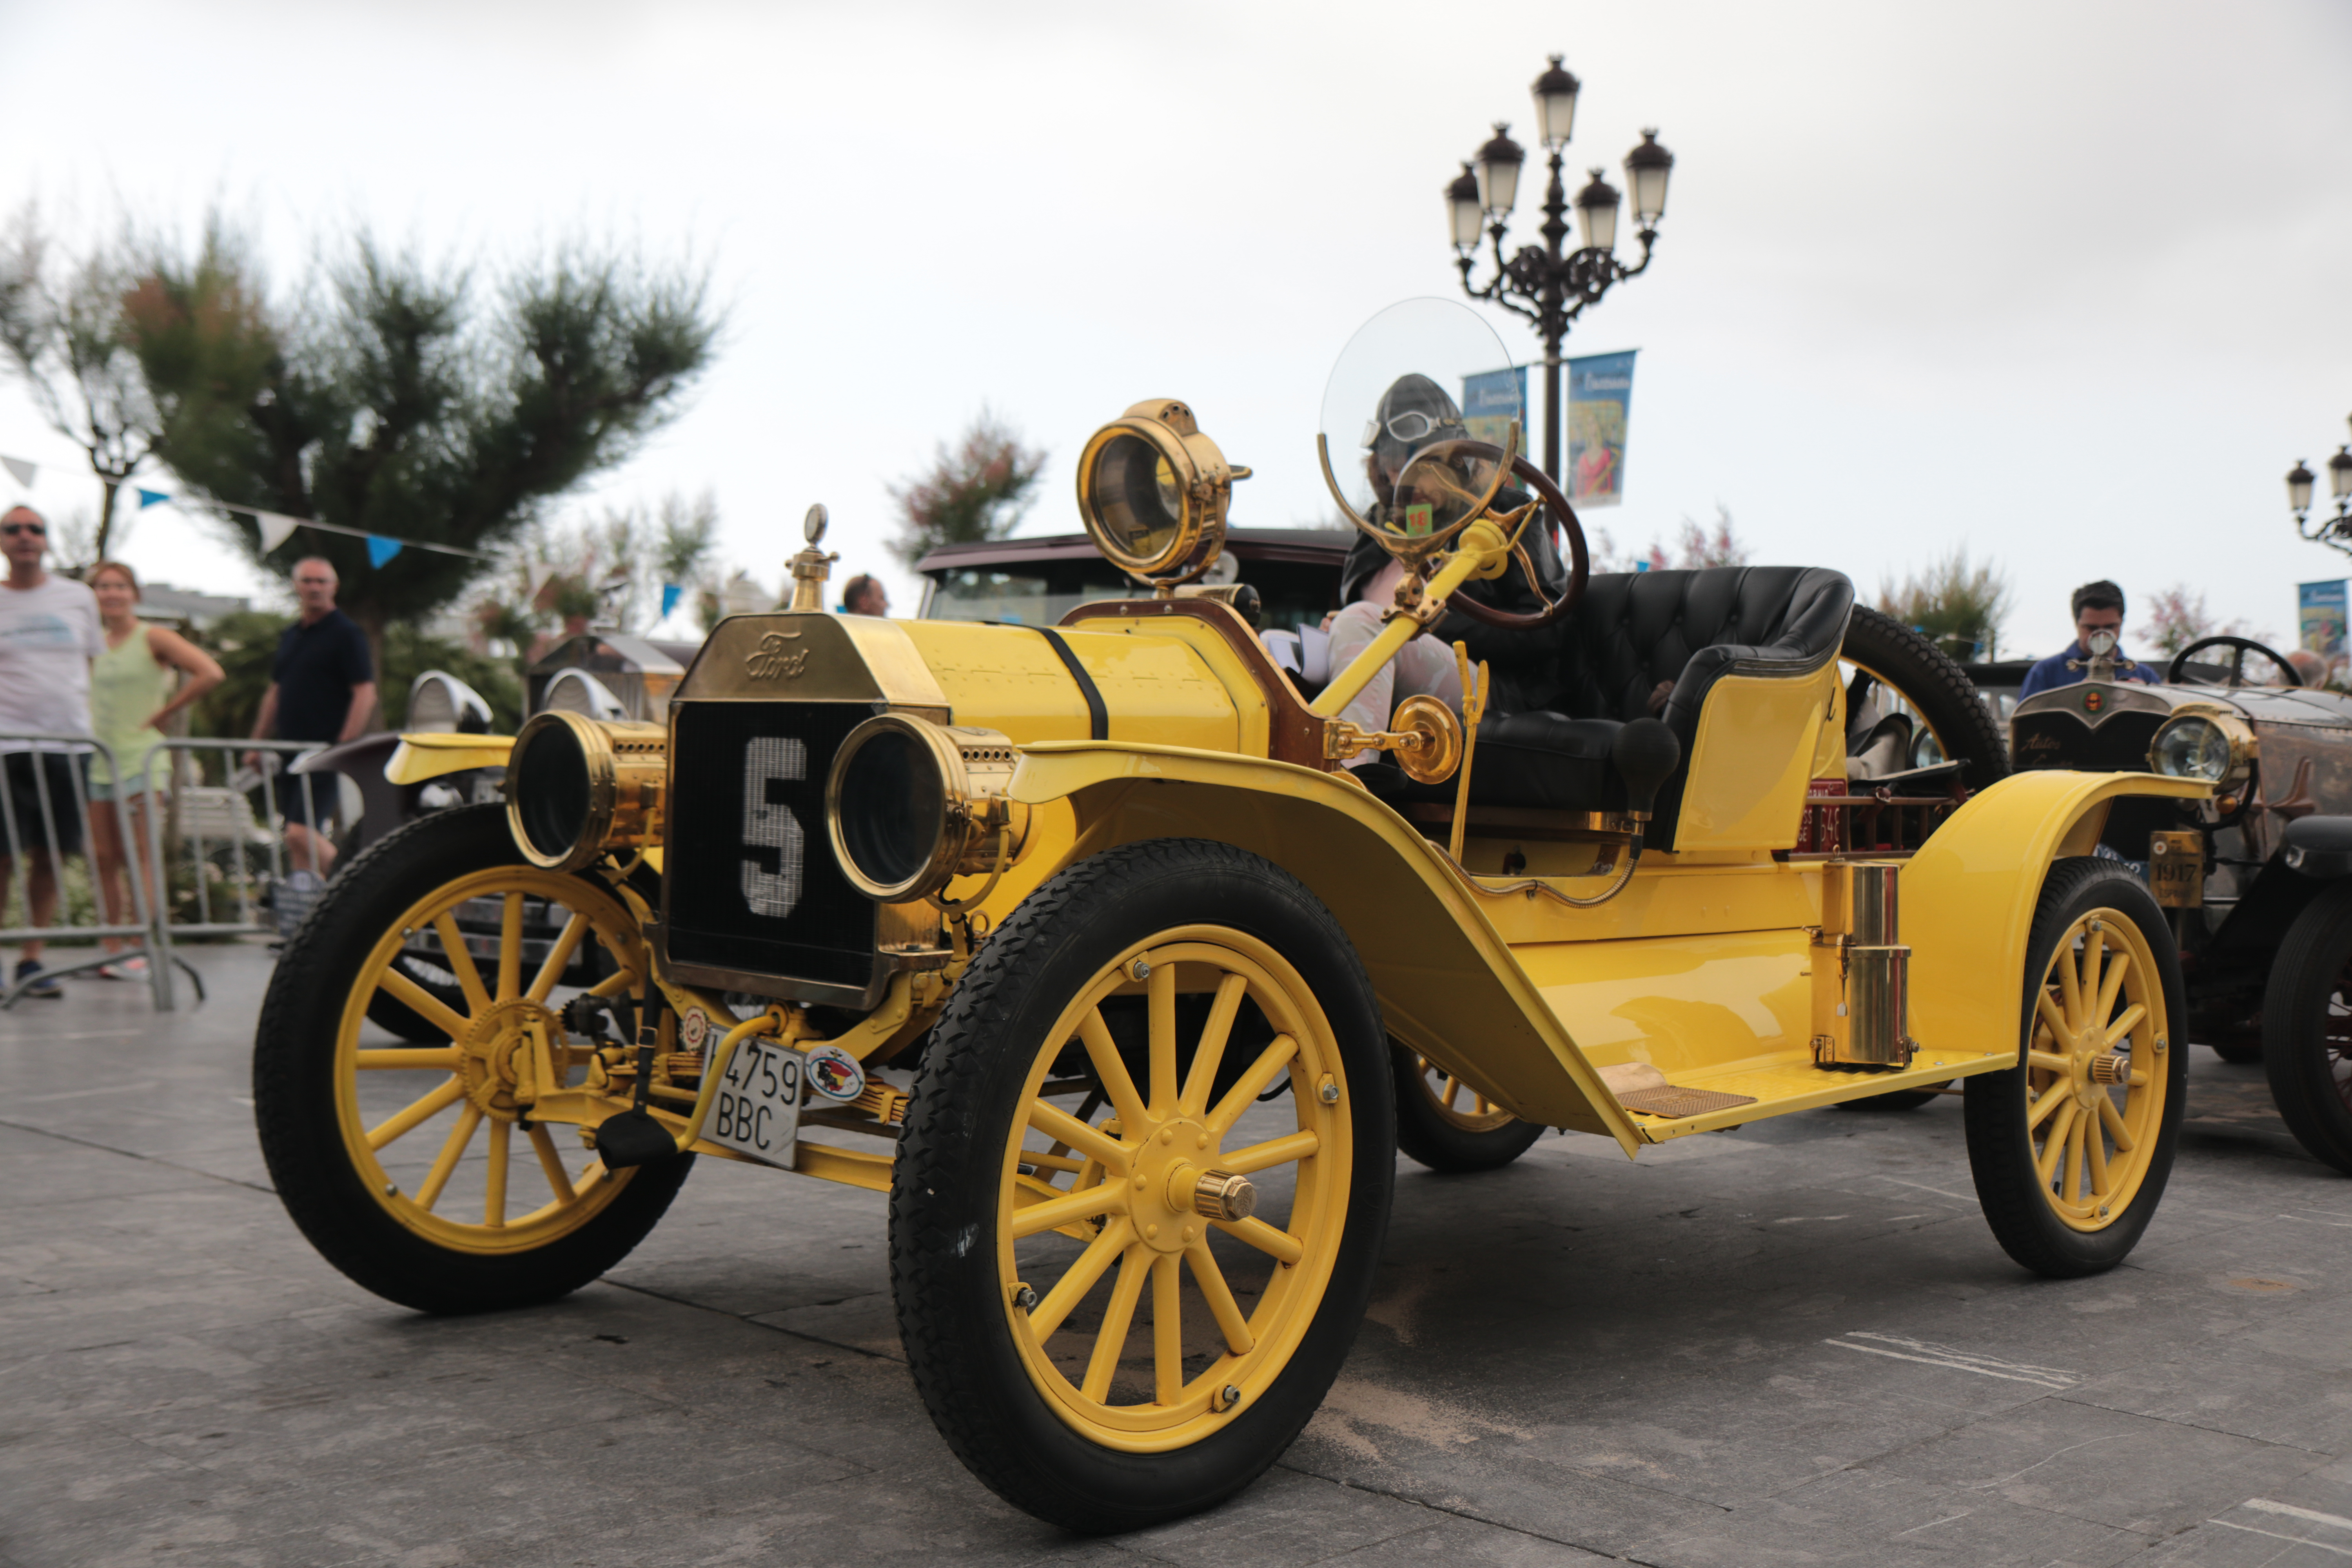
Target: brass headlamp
x: 1154, y: 493
x: 912, y: 805
x: 578, y: 786
x: 2204, y: 743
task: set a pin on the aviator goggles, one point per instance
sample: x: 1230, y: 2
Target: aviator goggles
x: 1409, y: 426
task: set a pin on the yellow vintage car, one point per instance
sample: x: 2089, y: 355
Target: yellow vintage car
x: 1087, y: 945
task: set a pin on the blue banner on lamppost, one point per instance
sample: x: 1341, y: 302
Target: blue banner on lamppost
x: 2319, y: 615
x: 1491, y: 400
x: 1600, y: 391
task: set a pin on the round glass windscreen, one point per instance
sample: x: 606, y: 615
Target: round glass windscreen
x: 1421, y: 372
x: 1138, y: 501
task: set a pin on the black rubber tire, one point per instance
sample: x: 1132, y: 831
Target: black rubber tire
x: 2308, y: 972
x: 2000, y: 1148
x: 1432, y: 1140
x: 294, y: 1095
x: 943, y: 1270
x: 1935, y: 684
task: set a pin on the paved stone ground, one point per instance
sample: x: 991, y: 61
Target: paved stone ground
x: 1793, y: 1344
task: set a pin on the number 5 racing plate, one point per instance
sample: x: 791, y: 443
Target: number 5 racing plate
x: 757, y: 1110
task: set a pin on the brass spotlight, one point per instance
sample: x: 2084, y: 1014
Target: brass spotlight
x: 1154, y: 493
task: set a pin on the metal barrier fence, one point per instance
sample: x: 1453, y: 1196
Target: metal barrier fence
x: 35, y: 763
x: 201, y: 852
x: 229, y: 855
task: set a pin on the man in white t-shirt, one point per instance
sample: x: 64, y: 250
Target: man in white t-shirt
x: 48, y: 635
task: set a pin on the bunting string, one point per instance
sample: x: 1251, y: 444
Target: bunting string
x: 276, y: 527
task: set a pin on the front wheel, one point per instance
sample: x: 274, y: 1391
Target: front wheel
x: 416, y: 1169
x: 2070, y: 1148
x: 1125, y: 1268
x: 2308, y: 1027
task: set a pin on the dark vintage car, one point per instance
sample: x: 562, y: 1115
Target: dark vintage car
x: 1036, y: 582
x: 2259, y: 881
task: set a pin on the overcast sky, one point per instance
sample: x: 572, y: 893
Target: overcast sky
x: 2068, y: 283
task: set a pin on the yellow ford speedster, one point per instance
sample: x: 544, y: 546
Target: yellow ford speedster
x: 1086, y: 945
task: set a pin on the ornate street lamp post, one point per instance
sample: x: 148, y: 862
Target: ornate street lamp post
x: 1547, y: 285
x: 2334, y: 532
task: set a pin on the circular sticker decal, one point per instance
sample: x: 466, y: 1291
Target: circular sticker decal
x: 693, y: 1028
x: 834, y: 1073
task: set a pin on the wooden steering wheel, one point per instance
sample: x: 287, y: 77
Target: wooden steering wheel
x: 1517, y: 524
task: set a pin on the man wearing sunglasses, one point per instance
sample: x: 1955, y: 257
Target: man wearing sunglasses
x: 48, y: 635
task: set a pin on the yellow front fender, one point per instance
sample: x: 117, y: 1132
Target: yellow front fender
x: 1969, y: 895
x: 1448, y: 984
x: 419, y: 757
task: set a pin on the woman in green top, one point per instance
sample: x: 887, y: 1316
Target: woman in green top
x: 131, y: 700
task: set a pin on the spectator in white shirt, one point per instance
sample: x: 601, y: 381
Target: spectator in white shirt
x: 48, y: 635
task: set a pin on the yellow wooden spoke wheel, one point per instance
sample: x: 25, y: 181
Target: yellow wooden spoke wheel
x: 418, y: 1111
x: 1445, y: 1124
x: 1138, y: 1202
x: 416, y: 1167
x: 2071, y: 1149
x: 2096, y: 1089
x: 1127, y: 1245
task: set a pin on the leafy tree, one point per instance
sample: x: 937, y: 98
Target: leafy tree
x: 1697, y: 547
x: 61, y: 335
x: 2177, y: 617
x: 979, y: 491
x: 609, y: 572
x: 404, y: 399
x: 1957, y: 603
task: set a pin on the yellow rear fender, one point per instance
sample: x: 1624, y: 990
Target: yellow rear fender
x: 1449, y: 985
x: 419, y: 757
x: 1967, y: 895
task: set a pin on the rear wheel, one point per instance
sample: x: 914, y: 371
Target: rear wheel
x: 2070, y: 1148
x: 1446, y: 1125
x: 1124, y: 1284
x: 416, y: 1170
x: 2308, y: 1027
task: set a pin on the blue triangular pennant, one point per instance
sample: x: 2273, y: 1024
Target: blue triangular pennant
x: 381, y: 549
x: 149, y: 498
x: 671, y: 594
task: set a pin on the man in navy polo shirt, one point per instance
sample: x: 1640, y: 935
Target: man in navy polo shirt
x: 321, y: 688
x: 2098, y: 607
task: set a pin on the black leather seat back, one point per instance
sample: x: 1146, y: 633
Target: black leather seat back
x: 1634, y: 629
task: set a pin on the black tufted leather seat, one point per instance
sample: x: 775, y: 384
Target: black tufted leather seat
x: 1632, y: 631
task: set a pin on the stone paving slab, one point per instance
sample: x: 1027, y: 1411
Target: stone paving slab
x: 1792, y: 1344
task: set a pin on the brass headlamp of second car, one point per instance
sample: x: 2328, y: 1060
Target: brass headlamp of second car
x: 912, y: 805
x: 577, y: 787
x: 1154, y: 493
x: 2205, y: 744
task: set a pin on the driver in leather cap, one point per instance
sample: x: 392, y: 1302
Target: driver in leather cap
x: 1413, y: 413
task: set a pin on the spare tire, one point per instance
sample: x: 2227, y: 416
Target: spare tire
x: 1885, y: 653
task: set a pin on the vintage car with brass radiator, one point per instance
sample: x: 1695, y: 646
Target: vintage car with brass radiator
x: 1087, y: 945
x: 2258, y: 879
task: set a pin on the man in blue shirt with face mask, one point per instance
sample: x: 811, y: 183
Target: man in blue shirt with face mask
x: 2098, y: 628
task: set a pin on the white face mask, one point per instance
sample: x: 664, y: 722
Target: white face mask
x: 2101, y: 642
